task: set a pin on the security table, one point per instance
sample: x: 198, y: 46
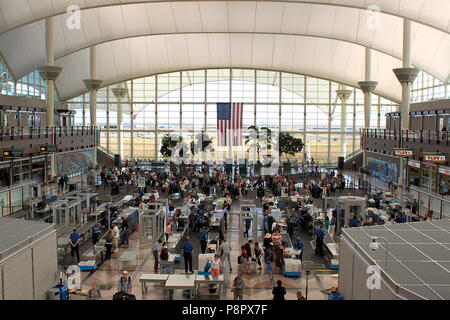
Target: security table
x: 202, y: 279
x: 179, y: 282
x: 170, y: 262
x: 151, y: 278
x: 128, y: 256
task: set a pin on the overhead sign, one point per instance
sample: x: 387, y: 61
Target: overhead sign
x: 434, y: 158
x: 415, y: 164
x: 444, y: 170
x: 49, y: 149
x: 403, y: 153
x: 141, y: 183
x: 13, y: 153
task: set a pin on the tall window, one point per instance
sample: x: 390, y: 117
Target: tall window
x: 186, y: 103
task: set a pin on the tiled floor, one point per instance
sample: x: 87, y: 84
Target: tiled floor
x: 258, y: 286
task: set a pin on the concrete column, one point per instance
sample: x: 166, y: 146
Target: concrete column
x: 343, y: 94
x: 120, y: 93
x: 367, y: 87
x: 132, y: 125
x: 50, y: 73
x: 406, y: 75
x: 93, y: 85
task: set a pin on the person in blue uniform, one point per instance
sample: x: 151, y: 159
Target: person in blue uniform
x: 204, y: 239
x: 188, y: 250
x: 298, y: 245
x: 74, y: 244
x: 320, y: 234
x: 354, y: 222
x: 96, y: 231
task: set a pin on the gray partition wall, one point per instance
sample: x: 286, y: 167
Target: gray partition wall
x: 28, y: 259
x: 417, y: 265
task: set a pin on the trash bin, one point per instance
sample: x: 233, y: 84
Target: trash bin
x: 63, y: 290
x: 53, y: 294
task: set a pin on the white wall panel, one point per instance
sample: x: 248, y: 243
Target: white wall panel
x: 17, y: 277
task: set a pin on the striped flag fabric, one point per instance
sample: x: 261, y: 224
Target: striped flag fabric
x: 229, y: 124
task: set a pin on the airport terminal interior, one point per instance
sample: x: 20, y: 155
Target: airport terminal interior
x: 225, y: 150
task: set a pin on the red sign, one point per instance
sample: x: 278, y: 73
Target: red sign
x: 403, y: 153
x: 434, y: 158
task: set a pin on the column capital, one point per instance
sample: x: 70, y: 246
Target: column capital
x: 344, y: 94
x: 407, y: 75
x: 367, y: 86
x: 49, y: 72
x: 120, y: 92
x: 92, y: 84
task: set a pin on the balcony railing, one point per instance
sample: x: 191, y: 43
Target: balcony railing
x: 30, y: 132
x: 421, y: 136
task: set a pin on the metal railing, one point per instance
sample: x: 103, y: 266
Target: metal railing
x: 422, y: 136
x: 30, y: 132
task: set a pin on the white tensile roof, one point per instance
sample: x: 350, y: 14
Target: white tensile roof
x: 325, y: 39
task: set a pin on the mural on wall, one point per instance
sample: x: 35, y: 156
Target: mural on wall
x: 383, y: 170
x: 75, y: 161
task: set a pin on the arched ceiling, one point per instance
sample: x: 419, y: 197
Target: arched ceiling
x: 137, y: 38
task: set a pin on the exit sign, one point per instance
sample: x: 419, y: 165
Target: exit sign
x: 13, y: 153
x: 434, y: 158
x: 49, y: 149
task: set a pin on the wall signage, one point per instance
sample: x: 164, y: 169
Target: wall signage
x: 403, y: 153
x: 444, y: 170
x: 414, y: 164
x: 434, y: 158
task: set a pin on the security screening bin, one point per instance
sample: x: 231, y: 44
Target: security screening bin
x: 58, y: 292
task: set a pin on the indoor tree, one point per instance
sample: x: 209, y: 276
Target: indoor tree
x: 289, y: 145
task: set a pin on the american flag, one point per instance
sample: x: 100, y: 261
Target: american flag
x: 229, y: 124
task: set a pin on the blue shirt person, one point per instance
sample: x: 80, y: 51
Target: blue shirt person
x: 74, y: 247
x: 188, y: 249
x: 298, y: 244
x: 320, y: 234
x: 204, y: 235
x: 204, y: 239
x: 354, y: 222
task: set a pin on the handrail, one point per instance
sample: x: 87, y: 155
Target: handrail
x: 427, y: 136
x: 45, y: 131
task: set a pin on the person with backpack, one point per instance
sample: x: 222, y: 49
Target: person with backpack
x: 94, y: 292
x: 125, y: 284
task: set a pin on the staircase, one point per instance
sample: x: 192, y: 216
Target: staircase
x: 355, y: 156
x: 104, y: 158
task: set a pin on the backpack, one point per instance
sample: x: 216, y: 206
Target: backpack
x: 164, y: 254
x: 207, y: 266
